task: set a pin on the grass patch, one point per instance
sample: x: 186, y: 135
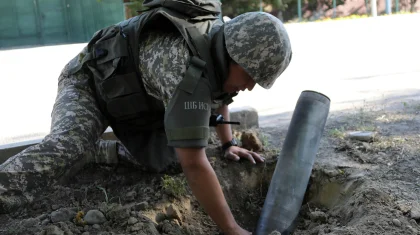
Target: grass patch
x: 264, y: 140
x: 387, y: 143
x: 337, y: 133
x: 174, y: 187
x: 104, y: 191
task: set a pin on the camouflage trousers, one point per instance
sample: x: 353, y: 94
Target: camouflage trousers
x: 73, y: 141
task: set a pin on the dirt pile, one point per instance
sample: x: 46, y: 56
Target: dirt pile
x: 356, y: 187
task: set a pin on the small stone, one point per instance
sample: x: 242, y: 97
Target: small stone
x: 366, y: 146
x: 96, y: 226
x: 133, y: 213
x: 53, y: 230
x: 28, y: 223
x: 313, y: 226
x: 275, y: 233
x: 86, y: 233
x: 42, y: 217
x: 250, y: 141
x: 55, y: 207
x: 94, y: 217
x: 119, y: 213
x: 135, y: 228
x: 45, y: 221
x: 63, y: 214
x: 190, y: 229
x: 396, y: 222
x: 403, y: 206
x: 170, y: 227
x: 173, y: 213
x: 146, y: 228
x: 130, y: 196
x: 86, y: 227
x: 160, y: 217
x: 393, y: 211
x: 415, y: 211
x: 413, y: 230
x: 361, y: 135
x: 132, y: 221
x: 140, y: 206
x: 318, y: 216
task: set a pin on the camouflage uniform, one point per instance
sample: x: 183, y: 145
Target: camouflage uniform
x: 77, y: 124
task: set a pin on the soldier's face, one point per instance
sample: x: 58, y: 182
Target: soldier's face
x: 238, y: 80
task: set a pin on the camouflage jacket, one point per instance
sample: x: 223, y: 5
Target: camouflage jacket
x: 163, y: 62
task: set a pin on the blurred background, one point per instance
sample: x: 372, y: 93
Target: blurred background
x: 47, y: 22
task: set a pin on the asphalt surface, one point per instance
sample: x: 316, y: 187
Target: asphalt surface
x: 350, y: 61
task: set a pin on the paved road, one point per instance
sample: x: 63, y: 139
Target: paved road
x: 374, y: 59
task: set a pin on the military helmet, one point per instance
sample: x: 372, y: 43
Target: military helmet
x: 259, y: 43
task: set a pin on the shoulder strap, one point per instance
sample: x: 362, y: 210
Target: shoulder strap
x: 130, y: 30
x: 202, y: 50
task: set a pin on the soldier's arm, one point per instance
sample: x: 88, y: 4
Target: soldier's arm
x: 206, y: 188
x: 187, y: 127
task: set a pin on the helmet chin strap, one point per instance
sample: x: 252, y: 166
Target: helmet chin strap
x: 220, y: 56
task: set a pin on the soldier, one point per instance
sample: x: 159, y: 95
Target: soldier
x: 185, y: 76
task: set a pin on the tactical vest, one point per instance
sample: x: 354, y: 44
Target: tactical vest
x: 113, y: 59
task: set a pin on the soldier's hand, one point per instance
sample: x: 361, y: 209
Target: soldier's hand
x: 235, y: 153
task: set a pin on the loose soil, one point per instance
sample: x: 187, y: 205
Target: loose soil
x: 356, y: 187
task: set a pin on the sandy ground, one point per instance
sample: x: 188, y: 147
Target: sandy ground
x: 356, y: 187
x: 374, y: 59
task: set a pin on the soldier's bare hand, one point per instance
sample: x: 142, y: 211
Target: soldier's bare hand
x: 235, y: 153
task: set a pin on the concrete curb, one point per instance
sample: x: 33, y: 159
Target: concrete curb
x: 9, y: 150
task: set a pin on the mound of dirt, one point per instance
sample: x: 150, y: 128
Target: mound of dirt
x: 356, y: 187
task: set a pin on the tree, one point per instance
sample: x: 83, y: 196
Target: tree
x: 233, y: 8
x: 230, y: 8
x: 284, y: 9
